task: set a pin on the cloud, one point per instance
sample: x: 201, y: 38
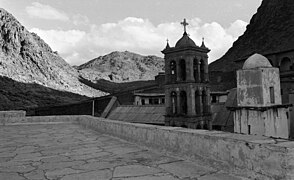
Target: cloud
x: 79, y: 19
x: 140, y: 36
x: 64, y: 42
x: 38, y: 10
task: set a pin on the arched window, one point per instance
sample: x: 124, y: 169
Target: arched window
x: 183, y: 98
x: 285, y: 64
x: 202, y: 67
x: 173, y: 68
x: 204, y: 101
x: 183, y: 70
x: 174, y: 102
x: 173, y: 71
x: 195, y: 69
x: 198, y: 102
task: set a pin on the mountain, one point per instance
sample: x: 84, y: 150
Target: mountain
x: 17, y: 95
x: 270, y: 30
x: 122, y: 67
x: 26, y: 58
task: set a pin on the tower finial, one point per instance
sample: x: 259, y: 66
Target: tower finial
x: 167, y: 44
x: 203, y: 45
x: 184, y: 23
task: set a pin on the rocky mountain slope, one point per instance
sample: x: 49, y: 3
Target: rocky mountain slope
x: 17, y: 95
x: 270, y: 30
x: 26, y: 58
x: 122, y: 67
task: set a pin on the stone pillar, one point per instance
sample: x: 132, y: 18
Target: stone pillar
x: 192, y: 99
x: 168, y: 105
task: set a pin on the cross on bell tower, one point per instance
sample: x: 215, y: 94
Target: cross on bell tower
x: 184, y: 23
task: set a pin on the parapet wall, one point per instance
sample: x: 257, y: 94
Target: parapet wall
x: 251, y: 156
x: 247, y: 155
x: 40, y: 119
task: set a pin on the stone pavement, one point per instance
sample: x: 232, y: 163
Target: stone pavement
x: 70, y: 152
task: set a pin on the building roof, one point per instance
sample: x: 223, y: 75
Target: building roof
x: 225, y: 117
x: 256, y: 61
x: 185, y: 41
x: 147, y: 114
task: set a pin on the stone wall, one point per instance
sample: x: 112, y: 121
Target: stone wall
x: 40, y: 119
x: 251, y: 156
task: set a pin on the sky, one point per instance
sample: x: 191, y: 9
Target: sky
x: 80, y: 30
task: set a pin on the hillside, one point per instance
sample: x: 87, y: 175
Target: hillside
x: 26, y: 58
x: 17, y: 95
x: 270, y: 30
x: 122, y: 67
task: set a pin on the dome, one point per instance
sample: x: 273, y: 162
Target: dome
x: 256, y: 61
x: 185, y: 41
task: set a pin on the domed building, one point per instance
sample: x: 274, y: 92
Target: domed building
x: 187, y: 93
x: 259, y: 109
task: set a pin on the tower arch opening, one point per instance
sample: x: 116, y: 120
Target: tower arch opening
x: 183, y: 70
x: 173, y: 71
x: 285, y: 64
x: 183, y: 102
x: 202, y: 70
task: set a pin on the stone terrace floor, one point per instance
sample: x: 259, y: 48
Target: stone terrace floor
x: 68, y: 152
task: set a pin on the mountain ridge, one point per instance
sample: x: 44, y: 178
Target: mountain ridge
x: 270, y: 30
x: 122, y: 67
x: 25, y: 57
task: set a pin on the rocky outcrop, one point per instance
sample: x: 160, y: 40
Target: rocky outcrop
x: 122, y: 67
x: 270, y: 30
x: 26, y: 58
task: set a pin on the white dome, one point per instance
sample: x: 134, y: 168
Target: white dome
x: 256, y: 61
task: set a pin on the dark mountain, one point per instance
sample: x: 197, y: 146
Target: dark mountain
x: 26, y: 58
x: 17, y: 95
x: 270, y: 30
x: 122, y: 67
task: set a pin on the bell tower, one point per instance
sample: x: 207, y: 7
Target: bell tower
x: 187, y: 93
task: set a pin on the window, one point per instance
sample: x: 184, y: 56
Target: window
x: 183, y: 70
x: 213, y: 99
x: 162, y: 101
x: 143, y: 101
x: 272, y: 95
x: 173, y: 67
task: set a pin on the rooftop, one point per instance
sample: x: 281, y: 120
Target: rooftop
x: 62, y: 150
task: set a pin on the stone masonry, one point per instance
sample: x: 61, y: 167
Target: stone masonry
x: 65, y: 151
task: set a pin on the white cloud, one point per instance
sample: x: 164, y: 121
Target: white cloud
x: 62, y: 41
x: 79, y: 19
x: 140, y: 36
x: 42, y: 11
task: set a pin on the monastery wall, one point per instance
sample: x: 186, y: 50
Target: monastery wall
x: 251, y: 156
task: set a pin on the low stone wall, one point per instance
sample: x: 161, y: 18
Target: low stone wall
x: 251, y: 156
x: 11, y: 114
x: 246, y: 155
x: 40, y: 119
